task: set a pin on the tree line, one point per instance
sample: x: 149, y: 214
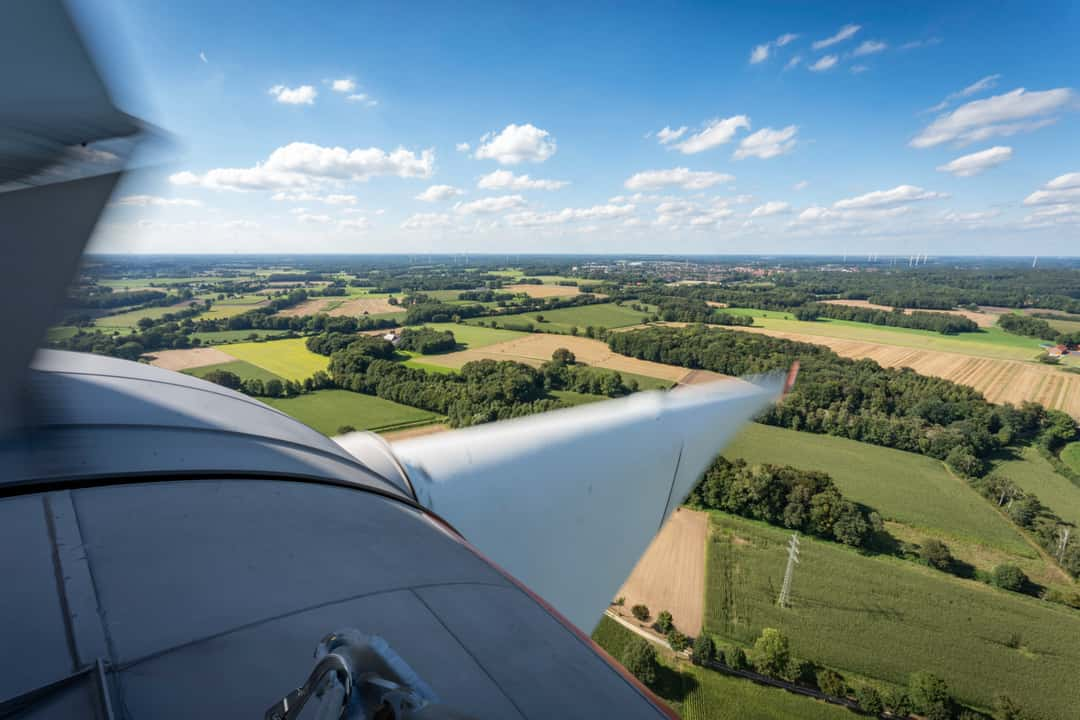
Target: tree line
x: 1037, y: 328
x: 944, y: 323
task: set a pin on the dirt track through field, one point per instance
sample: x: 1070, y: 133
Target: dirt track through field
x: 190, y: 358
x: 988, y: 318
x: 671, y: 574
x: 537, y: 348
x: 1000, y: 381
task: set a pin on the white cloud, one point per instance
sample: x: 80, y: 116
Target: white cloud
x: 426, y: 221
x: 154, y: 200
x: 793, y: 62
x: 683, y: 177
x: 668, y: 135
x: 1061, y: 190
x: 312, y: 197
x: 490, y: 205
x: 360, y: 224
x: 969, y: 218
x: 299, y: 165
x: 801, y: 185
x: 975, y: 163
x: 344, y: 85
x: 858, y: 69
x: 310, y: 219
x: 517, y: 143
x: 899, y: 195
x: 773, y: 207
x: 303, y: 95
x: 869, y: 47
x: 241, y: 225
x: 842, y: 34
x: 718, y: 131
x: 462, y: 147
x: 767, y: 143
x: 202, y: 56
x: 1000, y: 115
x: 436, y: 193
x: 760, y: 53
x: 825, y: 63
x: 506, y: 180
x: 340, y: 199
x: 566, y: 215
x: 986, y: 83
x: 361, y: 98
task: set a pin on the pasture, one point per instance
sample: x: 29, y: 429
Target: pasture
x: 342, y: 306
x: 473, y: 336
x: 230, y: 307
x: 600, y: 315
x: 1070, y: 455
x: 911, y: 489
x: 244, y: 370
x: 289, y: 359
x: 231, y: 336
x: 884, y: 618
x: 130, y: 319
x: 1032, y: 473
x: 328, y: 410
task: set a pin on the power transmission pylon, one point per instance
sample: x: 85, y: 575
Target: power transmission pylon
x: 792, y: 560
x: 1063, y: 543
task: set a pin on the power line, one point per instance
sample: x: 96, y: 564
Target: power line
x: 792, y: 560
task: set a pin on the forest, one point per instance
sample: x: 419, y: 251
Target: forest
x: 944, y: 323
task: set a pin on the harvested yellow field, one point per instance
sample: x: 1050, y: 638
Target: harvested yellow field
x: 395, y: 435
x: 987, y: 318
x: 671, y: 574
x: 1000, y: 381
x: 336, y: 307
x: 190, y: 358
x: 536, y: 349
x: 543, y: 291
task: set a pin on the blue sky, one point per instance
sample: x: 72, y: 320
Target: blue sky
x: 854, y: 127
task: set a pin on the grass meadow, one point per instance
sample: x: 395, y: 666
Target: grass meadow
x: 883, y: 618
x: 289, y: 359
x: 911, y: 489
x: 473, y: 336
x: 328, y: 410
x: 990, y: 342
x: 1070, y: 455
x: 1033, y: 474
x: 601, y: 315
x: 245, y: 370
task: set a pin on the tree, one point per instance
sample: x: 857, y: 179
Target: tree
x: 1009, y: 577
x: 345, y: 429
x: 641, y: 612
x: 704, y: 651
x: 963, y: 462
x: 563, y: 356
x: 930, y: 696
x: 639, y: 657
x: 677, y: 640
x: 936, y: 554
x: 831, y: 682
x: 1006, y: 709
x: 771, y: 653
x: 899, y: 704
x: 737, y: 659
x: 274, y: 388
x: 664, y: 622
x: 224, y: 378
x: 869, y: 699
x: 620, y: 601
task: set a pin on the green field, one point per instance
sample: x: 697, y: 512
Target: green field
x: 988, y: 342
x: 157, y: 282
x: 472, y: 336
x: 130, y: 319
x: 883, y: 618
x: 232, y: 336
x: 243, y: 369
x: 911, y: 489
x: 700, y: 694
x: 289, y: 358
x: 645, y: 382
x: 601, y: 315
x: 1070, y: 455
x: 60, y: 332
x: 1032, y: 473
x: 328, y: 410
x: 1065, y: 326
x: 235, y: 305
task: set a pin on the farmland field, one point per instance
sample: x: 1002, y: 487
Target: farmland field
x: 328, y: 410
x: 883, y: 617
x: 289, y: 359
x: 992, y: 342
x: 1071, y: 455
x: 543, y: 291
x: 190, y: 358
x: 1033, y: 474
x: 911, y: 489
x: 472, y: 336
x: 998, y: 379
x: 340, y: 306
x: 131, y: 318
x: 700, y: 694
x: 232, y: 336
x: 240, y: 368
x: 230, y: 307
x: 605, y: 315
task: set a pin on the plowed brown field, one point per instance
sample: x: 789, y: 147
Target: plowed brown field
x: 192, y: 357
x: 1000, y: 381
x: 357, y: 306
x: 671, y: 574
